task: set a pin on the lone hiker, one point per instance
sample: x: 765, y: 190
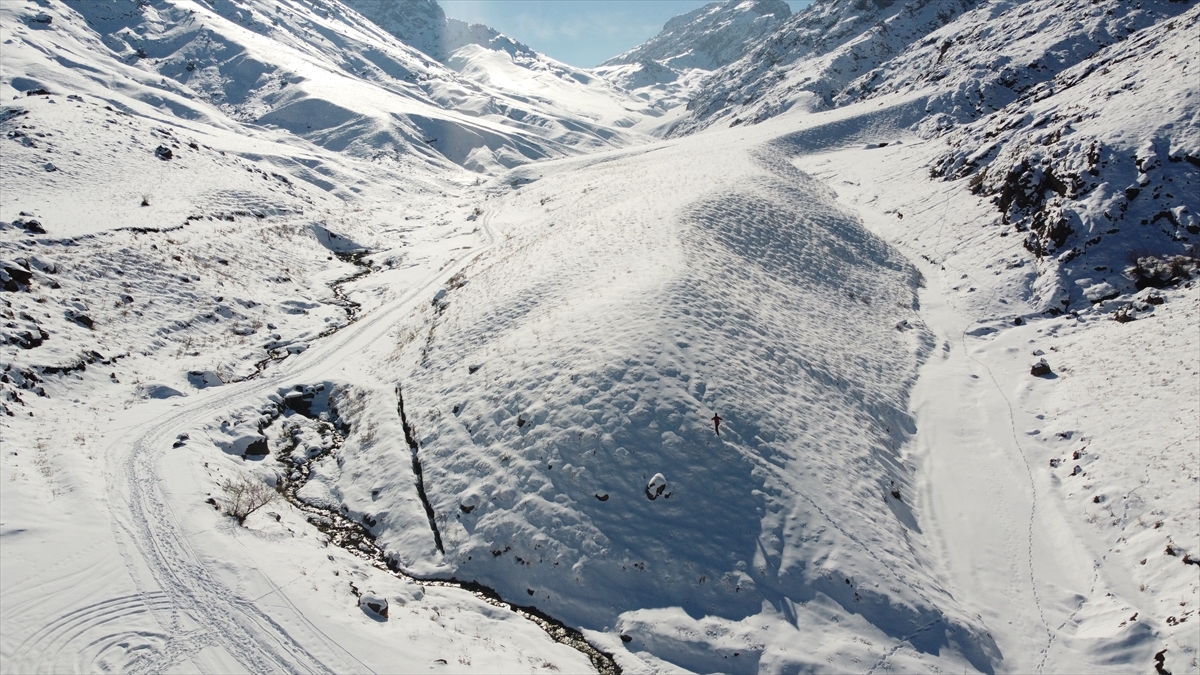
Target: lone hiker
x: 717, y: 423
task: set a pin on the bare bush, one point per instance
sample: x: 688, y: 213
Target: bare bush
x: 244, y: 496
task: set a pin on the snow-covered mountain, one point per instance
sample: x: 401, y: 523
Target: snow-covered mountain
x: 712, y: 36
x: 976, y: 56
x: 423, y: 25
x: 514, y: 70
x: 931, y: 266
x: 316, y: 71
x: 670, y: 67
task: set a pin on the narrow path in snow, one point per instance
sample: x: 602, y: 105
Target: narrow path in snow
x: 1006, y: 554
x: 980, y: 493
x: 160, y: 560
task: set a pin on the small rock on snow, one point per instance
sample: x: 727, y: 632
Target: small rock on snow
x: 374, y: 605
x: 656, y: 486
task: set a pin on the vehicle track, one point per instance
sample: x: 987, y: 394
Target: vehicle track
x: 175, y: 584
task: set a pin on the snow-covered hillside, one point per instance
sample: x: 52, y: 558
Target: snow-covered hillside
x: 670, y: 67
x: 709, y: 37
x: 976, y: 56
x: 316, y: 71
x: 533, y: 88
x: 570, y: 373
x: 463, y: 323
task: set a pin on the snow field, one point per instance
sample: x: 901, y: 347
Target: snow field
x: 1062, y: 551
x: 628, y: 298
x: 892, y: 487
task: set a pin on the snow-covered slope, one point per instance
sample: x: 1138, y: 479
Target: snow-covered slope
x: 669, y: 68
x: 976, y: 56
x: 560, y: 380
x: 237, y: 257
x: 1098, y: 170
x: 1059, y: 504
x: 530, y: 84
x: 709, y: 37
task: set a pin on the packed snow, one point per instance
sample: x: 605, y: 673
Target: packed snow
x: 861, y: 339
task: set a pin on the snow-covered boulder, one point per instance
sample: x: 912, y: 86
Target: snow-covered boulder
x: 158, y: 391
x: 656, y: 487
x: 202, y: 379
x: 242, y: 439
x: 375, y: 605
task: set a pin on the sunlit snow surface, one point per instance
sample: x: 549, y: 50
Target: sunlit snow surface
x: 891, y: 489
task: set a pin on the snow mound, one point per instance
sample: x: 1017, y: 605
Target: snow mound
x: 615, y: 316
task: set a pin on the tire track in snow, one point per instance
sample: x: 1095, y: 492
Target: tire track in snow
x: 153, y: 532
x: 193, y: 592
x: 84, y: 634
x: 175, y: 583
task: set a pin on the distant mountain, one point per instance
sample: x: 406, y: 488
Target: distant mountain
x: 423, y: 25
x: 669, y: 68
x: 814, y: 56
x: 538, y: 88
x: 709, y: 37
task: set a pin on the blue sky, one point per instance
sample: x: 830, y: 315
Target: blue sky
x: 582, y: 33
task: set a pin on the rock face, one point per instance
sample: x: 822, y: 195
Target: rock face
x: 710, y: 37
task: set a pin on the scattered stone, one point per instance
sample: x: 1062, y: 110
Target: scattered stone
x: 1040, y: 369
x: 81, y: 319
x: 163, y: 152
x: 656, y: 486
x: 374, y: 604
x: 32, y: 226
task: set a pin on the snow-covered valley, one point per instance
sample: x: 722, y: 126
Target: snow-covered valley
x: 469, y: 312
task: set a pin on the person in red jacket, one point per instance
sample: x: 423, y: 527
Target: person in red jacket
x: 717, y: 423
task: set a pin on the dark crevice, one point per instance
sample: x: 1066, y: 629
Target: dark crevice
x: 410, y: 438
x: 356, y: 537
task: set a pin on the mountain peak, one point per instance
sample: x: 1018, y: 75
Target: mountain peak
x: 423, y: 25
x: 709, y: 37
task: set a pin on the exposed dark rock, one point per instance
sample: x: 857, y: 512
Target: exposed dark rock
x: 258, y: 448
x: 81, y: 319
